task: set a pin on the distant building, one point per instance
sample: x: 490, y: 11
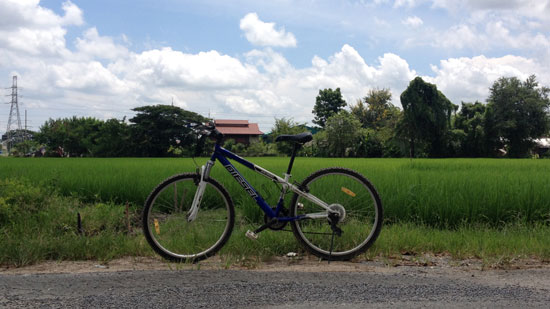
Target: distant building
x: 542, y: 146
x: 240, y: 130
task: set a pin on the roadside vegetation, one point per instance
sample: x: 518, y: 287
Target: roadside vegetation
x: 462, y: 208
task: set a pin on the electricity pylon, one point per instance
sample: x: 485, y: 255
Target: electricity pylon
x: 14, y: 121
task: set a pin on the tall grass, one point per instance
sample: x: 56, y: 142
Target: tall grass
x: 36, y: 224
x: 433, y: 192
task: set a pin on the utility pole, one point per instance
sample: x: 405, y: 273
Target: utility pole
x: 14, y: 118
x: 25, y: 134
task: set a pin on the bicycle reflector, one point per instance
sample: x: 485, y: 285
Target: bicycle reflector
x: 348, y: 192
x: 157, y: 228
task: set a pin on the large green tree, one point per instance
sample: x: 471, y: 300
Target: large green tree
x: 114, y: 139
x: 520, y: 112
x: 426, y: 117
x: 327, y: 103
x: 471, y: 121
x: 76, y: 136
x: 375, y: 110
x: 157, y: 127
x: 342, y: 133
x: 379, y: 119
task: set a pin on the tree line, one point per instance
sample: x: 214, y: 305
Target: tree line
x: 429, y: 125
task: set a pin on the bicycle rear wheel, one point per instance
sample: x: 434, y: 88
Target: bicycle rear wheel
x: 165, y: 223
x: 358, y: 203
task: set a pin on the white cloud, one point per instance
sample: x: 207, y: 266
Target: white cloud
x: 495, y: 35
x: 412, y: 21
x: 100, y: 77
x: 261, y: 33
x: 469, y: 79
x: 528, y: 8
x: 407, y: 3
x: 205, y: 70
x: 461, y: 37
x: 89, y: 77
x: 92, y: 45
x: 27, y: 28
x: 272, y: 62
x: 73, y: 14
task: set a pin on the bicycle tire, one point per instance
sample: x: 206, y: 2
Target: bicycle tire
x: 165, y: 224
x: 352, y: 191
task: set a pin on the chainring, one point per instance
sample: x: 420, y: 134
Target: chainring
x: 277, y: 225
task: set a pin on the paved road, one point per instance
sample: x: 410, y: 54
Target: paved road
x: 407, y: 287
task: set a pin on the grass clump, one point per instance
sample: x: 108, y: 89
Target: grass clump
x: 37, y: 224
x: 511, y: 241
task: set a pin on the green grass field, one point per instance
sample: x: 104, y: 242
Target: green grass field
x: 444, y: 193
x: 37, y: 223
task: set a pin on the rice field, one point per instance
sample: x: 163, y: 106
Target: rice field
x: 444, y: 193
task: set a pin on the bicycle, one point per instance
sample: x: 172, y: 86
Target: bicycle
x: 335, y: 213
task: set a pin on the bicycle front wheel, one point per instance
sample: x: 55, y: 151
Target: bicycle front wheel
x: 358, y: 204
x: 165, y: 219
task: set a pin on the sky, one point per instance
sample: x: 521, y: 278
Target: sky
x: 258, y: 60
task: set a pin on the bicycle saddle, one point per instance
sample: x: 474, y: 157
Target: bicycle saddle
x: 301, y: 138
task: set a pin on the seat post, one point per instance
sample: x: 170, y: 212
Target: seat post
x: 294, y: 150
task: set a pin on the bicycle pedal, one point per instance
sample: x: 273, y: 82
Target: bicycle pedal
x: 251, y: 235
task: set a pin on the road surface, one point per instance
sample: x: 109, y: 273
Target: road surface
x: 317, y: 286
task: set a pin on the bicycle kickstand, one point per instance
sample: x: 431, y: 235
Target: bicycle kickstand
x: 335, y: 231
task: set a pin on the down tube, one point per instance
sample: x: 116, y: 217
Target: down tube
x: 246, y: 186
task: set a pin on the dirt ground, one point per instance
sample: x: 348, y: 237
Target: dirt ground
x: 426, y: 262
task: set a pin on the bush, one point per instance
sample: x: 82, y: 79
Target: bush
x: 36, y: 224
x: 20, y: 198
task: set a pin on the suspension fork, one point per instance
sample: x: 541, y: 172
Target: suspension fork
x: 204, y: 175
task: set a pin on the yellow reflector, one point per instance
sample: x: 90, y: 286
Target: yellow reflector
x: 348, y: 192
x: 157, y: 228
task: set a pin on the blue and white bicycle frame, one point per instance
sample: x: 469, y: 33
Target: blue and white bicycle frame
x: 221, y: 154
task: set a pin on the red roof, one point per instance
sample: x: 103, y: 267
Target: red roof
x: 237, y: 127
x: 224, y: 122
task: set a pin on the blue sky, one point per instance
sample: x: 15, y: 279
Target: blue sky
x: 259, y: 60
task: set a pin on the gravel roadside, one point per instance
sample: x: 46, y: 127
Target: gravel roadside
x: 282, y: 283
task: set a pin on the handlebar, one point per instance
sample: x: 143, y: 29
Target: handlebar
x: 205, y: 130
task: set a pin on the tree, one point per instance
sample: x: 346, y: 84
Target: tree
x: 470, y: 120
x: 157, y: 127
x: 342, y: 132
x: 25, y: 148
x: 427, y: 117
x: 327, y: 103
x: 286, y: 126
x: 75, y: 136
x: 376, y: 109
x: 379, y: 118
x: 520, y: 112
x: 114, y: 139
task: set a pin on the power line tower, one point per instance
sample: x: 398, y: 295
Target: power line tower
x: 14, y: 119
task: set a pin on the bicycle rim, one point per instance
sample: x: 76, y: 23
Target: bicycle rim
x: 172, y: 235
x: 362, y: 210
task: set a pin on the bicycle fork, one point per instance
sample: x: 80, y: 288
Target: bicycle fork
x: 204, y: 175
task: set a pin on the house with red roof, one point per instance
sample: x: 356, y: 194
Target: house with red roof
x: 240, y: 130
